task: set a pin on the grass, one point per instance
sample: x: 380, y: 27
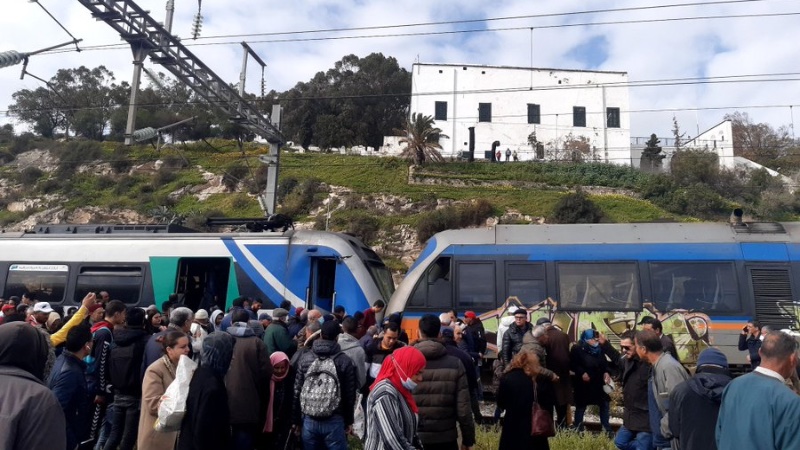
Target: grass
x: 488, y: 438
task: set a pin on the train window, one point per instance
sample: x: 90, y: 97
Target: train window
x: 476, y: 286
x: 434, y: 289
x: 122, y: 283
x: 705, y: 286
x: 47, y: 282
x: 598, y: 286
x: 526, y: 281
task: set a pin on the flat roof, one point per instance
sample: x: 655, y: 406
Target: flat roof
x: 543, y: 69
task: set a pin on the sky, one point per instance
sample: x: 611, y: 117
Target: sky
x: 717, y: 65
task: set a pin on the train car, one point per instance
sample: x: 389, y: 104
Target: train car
x: 702, y: 280
x: 144, y: 264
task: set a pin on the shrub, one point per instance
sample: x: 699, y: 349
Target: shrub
x: 301, y: 199
x: 120, y: 161
x: 76, y: 153
x: 364, y: 227
x: 21, y: 143
x: 576, y: 208
x: 163, y: 177
x: 174, y: 162
x: 451, y: 217
x: 233, y: 175
x: 694, y: 166
x: 285, y: 187
x: 29, y: 175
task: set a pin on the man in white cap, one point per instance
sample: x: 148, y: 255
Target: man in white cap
x: 199, y: 331
x: 41, y: 311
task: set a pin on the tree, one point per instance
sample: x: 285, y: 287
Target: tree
x: 676, y: 134
x: 576, y: 208
x: 651, y: 155
x: 538, y: 147
x: 690, y: 167
x: 81, y: 99
x: 570, y: 148
x: 759, y: 142
x: 421, y: 139
x: 368, y: 96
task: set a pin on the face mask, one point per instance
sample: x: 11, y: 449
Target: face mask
x: 761, y: 338
x: 407, y: 382
x: 595, y: 344
x: 321, y: 320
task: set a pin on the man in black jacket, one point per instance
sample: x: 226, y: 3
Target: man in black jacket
x: 694, y: 404
x: 68, y: 383
x: 443, y: 394
x: 512, y: 338
x: 330, y: 432
x: 634, y: 434
x: 125, y: 372
x: 750, y: 340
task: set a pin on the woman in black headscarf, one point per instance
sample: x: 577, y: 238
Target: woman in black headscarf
x: 38, y: 420
x: 206, y: 424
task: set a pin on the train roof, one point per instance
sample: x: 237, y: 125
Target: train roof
x: 627, y: 233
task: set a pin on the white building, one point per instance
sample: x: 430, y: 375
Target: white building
x: 507, y: 104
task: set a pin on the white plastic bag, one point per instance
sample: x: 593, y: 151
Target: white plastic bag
x: 173, y: 402
x: 359, y: 424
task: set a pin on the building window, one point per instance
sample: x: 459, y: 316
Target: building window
x: 484, y: 112
x: 441, y: 111
x: 578, y: 116
x: 612, y: 117
x: 534, y: 115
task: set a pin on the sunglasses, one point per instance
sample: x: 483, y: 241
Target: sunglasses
x: 625, y: 348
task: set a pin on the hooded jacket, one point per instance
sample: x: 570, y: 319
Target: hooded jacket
x: 123, y: 338
x: 694, y: 408
x: 248, y: 378
x: 352, y: 348
x: 345, y: 372
x: 32, y: 416
x: 443, y: 397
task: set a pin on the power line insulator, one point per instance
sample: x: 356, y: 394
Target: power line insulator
x: 197, y: 25
x: 11, y: 58
x: 144, y: 134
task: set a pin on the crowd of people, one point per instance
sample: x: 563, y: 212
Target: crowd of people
x: 300, y: 378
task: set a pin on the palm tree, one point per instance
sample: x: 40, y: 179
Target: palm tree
x: 421, y: 139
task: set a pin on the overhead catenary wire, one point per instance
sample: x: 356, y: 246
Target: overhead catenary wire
x: 452, y: 32
x: 74, y: 39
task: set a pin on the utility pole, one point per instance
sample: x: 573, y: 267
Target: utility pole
x: 135, y: 25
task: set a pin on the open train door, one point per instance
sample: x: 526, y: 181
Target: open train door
x: 771, y: 286
x: 321, y: 291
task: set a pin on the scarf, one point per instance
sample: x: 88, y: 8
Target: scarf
x: 276, y: 358
x: 585, y: 336
x: 405, y: 363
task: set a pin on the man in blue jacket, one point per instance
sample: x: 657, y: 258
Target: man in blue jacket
x: 750, y: 340
x: 68, y: 383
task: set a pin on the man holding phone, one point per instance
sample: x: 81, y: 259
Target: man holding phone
x: 750, y: 340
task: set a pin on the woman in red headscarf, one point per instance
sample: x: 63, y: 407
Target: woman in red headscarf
x: 390, y: 405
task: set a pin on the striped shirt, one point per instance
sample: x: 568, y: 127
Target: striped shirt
x: 391, y: 423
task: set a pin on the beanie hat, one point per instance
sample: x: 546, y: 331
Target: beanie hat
x: 712, y: 356
x: 542, y: 321
x: 201, y: 314
x: 218, y: 352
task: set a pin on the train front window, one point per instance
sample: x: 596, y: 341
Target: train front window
x: 46, y: 282
x: 122, y: 283
x: 383, y: 278
x: 703, y: 286
x: 598, y: 286
x: 476, y: 286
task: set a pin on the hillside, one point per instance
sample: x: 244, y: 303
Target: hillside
x: 384, y: 201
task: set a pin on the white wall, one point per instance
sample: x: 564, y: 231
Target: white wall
x: 510, y: 90
x: 718, y: 139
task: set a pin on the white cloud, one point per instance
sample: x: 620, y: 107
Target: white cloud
x: 647, y: 51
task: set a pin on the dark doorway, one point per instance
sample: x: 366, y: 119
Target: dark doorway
x: 322, y: 287
x: 203, y: 282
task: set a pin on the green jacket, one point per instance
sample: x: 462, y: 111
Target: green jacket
x: 278, y: 340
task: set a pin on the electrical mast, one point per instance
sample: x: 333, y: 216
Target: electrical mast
x: 140, y: 30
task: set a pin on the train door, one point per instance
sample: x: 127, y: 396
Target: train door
x: 203, y: 282
x: 771, y: 286
x: 321, y: 291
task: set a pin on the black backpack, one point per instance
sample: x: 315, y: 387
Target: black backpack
x: 124, y: 365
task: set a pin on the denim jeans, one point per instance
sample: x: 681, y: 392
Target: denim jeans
x: 633, y: 440
x: 604, y: 416
x: 124, y: 423
x: 324, y: 434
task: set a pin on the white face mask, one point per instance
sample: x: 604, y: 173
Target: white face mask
x: 407, y: 382
x: 761, y: 338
